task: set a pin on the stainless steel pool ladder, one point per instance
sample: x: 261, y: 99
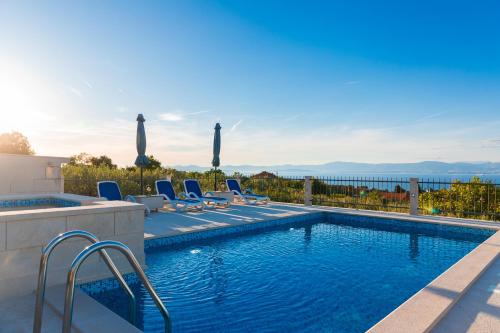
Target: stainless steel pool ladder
x: 42, y: 275
x: 68, y: 309
x: 100, y: 246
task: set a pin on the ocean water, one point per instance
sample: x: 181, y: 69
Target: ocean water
x: 404, y: 176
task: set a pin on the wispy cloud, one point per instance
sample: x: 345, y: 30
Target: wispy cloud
x: 88, y: 84
x: 293, y: 117
x: 173, y: 117
x: 179, y: 115
x: 416, y: 122
x: 197, y: 112
x: 235, y: 126
x: 75, y: 92
x: 121, y: 109
x: 353, y: 82
x: 491, y: 143
x: 431, y: 116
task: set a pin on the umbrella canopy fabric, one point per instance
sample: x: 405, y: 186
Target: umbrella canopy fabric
x: 142, y: 159
x: 216, y: 159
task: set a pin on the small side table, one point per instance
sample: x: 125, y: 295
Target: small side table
x: 224, y: 194
x: 153, y: 202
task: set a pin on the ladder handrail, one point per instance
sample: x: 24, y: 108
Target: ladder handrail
x: 82, y: 256
x: 42, y: 275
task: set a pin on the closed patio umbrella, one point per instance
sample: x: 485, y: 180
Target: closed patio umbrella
x: 216, y: 159
x: 141, y: 160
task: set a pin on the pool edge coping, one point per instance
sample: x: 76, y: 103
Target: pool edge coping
x: 448, y: 220
x: 426, y: 308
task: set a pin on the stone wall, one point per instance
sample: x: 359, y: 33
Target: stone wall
x: 31, y: 174
x: 24, y: 233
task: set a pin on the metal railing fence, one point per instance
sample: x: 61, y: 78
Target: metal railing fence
x: 281, y: 189
x: 386, y: 194
x: 471, y: 199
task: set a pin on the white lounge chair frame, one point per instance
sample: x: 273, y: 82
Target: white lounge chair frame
x: 179, y: 204
x: 205, y: 199
x: 248, y: 196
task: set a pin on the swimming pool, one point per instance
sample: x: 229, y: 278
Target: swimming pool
x: 332, y: 273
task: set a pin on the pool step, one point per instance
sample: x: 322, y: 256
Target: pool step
x: 89, y: 316
x: 17, y: 316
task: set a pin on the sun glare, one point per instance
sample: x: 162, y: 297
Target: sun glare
x: 25, y: 99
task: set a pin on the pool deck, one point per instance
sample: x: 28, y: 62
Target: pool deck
x: 465, y: 298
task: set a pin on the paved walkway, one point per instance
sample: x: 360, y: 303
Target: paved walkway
x: 478, y: 311
x: 168, y: 222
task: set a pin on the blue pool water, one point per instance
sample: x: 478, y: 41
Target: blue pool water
x: 331, y: 274
x: 35, y: 203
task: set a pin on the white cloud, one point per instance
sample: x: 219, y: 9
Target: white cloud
x: 168, y: 116
x: 491, y: 143
x: 121, y: 109
x: 233, y: 128
x: 293, y: 117
x: 197, y: 112
x: 350, y: 83
x: 183, y: 143
x: 179, y: 115
x: 75, y: 92
x: 88, y: 84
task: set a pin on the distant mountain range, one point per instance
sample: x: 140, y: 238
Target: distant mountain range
x: 352, y: 168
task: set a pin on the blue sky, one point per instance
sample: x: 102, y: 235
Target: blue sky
x: 290, y: 81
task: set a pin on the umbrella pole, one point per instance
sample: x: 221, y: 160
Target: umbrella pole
x: 142, y: 184
x: 215, y: 181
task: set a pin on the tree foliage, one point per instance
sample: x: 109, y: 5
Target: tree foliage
x: 476, y: 199
x: 87, y: 159
x: 15, y: 143
x: 153, y: 163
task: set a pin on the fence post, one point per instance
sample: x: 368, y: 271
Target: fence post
x: 61, y: 179
x: 307, y: 191
x: 413, y: 196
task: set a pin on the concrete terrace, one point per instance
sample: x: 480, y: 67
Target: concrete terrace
x: 169, y: 222
x: 470, y: 301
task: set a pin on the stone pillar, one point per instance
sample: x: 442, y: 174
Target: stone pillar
x: 61, y: 185
x: 307, y: 191
x: 413, y: 196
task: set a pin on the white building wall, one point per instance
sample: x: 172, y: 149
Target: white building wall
x: 31, y: 174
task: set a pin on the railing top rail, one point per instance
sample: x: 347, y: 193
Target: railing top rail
x: 363, y: 179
